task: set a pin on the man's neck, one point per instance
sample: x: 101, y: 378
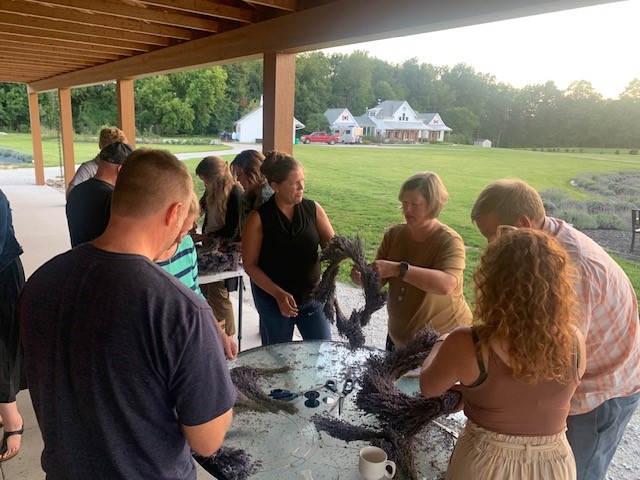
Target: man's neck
x: 130, y: 236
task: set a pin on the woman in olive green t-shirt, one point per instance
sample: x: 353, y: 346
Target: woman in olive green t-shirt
x: 423, y: 261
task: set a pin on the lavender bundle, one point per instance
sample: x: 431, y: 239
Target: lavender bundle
x: 246, y: 381
x: 398, y: 448
x: 228, y: 464
x: 337, y: 250
x: 212, y: 260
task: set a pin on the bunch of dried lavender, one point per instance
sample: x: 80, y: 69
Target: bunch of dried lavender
x: 337, y: 250
x: 246, y: 381
x: 228, y: 464
x: 398, y: 448
x: 212, y: 260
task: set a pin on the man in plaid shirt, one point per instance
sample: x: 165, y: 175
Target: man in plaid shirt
x: 610, y: 388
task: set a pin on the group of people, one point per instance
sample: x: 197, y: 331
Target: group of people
x: 120, y: 354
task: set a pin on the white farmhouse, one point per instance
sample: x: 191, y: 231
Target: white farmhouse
x: 249, y: 127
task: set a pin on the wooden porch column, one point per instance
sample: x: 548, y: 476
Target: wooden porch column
x: 279, y: 77
x: 66, y: 131
x: 36, y: 138
x: 126, y: 109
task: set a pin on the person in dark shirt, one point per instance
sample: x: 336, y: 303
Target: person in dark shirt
x: 125, y: 367
x: 280, y: 253
x: 89, y: 203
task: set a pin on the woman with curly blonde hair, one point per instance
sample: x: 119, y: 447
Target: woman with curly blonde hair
x: 518, y: 367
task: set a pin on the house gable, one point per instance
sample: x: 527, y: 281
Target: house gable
x: 339, y: 118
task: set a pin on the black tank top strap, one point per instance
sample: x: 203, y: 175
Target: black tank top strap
x: 483, y: 371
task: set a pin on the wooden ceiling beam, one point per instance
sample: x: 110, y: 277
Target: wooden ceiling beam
x: 90, y: 50
x: 288, y: 5
x: 76, y: 39
x: 80, y: 29
x: 99, y: 20
x: 144, y: 14
x: 44, y: 59
x: 209, y: 8
x: 18, y: 48
x: 329, y: 25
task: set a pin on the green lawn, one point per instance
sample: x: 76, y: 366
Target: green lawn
x: 358, y: 187
x: 84, y: 150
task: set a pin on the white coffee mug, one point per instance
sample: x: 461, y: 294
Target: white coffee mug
x: 373, y: 464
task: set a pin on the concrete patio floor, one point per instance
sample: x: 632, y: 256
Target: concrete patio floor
x: 41, y: 228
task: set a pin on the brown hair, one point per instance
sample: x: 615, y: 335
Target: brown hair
x: 250, y: 161
x: 432, y: 189
x: 525, y: 296
x: 277, y: 166
x: 508, y: 199
x: 111, y: 135
x: 150, y: 181
x: 217, y: 173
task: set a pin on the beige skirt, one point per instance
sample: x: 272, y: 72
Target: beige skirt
x: 484, y: 455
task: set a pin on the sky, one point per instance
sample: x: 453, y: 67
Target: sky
x: 600, y: 44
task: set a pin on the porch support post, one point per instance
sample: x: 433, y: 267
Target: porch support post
x: 66, y: 131
x: 36, y: 138
x: 126, y: 109
x: 279, y: 95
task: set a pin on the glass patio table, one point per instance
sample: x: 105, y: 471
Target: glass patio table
x: 288, y: 446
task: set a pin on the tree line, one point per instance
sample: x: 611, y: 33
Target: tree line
x: 475, y: 105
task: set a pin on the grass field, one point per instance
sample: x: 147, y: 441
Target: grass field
x: 358, y: 186
x: 83, y: 150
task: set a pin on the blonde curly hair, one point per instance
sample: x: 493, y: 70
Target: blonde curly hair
x: 525, y: 296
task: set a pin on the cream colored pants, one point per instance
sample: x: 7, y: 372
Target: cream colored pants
x: 219, y: 301
x: 481, y: 454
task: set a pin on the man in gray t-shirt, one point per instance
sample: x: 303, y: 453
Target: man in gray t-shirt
x: 125, y: 366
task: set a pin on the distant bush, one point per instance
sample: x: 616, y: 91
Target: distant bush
x: 579, y: 219
x: 633, y: 151
x: 9, y: 155
x: 617, y: 152
x: 610, y: 221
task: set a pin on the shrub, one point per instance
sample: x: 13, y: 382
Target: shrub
x: 610, y: 221
x: 9, y: 155
x: 554, y: 195
x: 633, y: 151
x: 617, y: 152
x: 581, y: 220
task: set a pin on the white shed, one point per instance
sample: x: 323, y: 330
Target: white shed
x: 482, y: 142
x: 249, y: 127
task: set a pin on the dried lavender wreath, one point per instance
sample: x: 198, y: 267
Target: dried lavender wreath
x: 337, y: 250
x: 401, y: 416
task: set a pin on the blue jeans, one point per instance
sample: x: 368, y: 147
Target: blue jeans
x: 595, y: 435
x: 276, y: 328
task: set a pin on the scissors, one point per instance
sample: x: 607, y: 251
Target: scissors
x: 347, y: 388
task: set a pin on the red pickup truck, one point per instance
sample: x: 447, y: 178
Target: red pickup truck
x: 320, y: 137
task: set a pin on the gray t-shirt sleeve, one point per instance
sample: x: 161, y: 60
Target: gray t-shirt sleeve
x: 199, y: 382
x: 85, y: 171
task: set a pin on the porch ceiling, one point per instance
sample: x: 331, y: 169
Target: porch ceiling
x: 67, y: 43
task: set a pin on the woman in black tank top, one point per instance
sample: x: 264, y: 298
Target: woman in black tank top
x: 280, y: 253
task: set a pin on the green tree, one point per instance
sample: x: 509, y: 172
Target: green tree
x: 352, y: 83
x: 14, y: 107
x: 313, y: 85
x: 463, y: 122
x: 159, y: 110
x: 316, y: 122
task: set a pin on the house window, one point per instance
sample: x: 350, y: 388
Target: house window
x: 345, y: 117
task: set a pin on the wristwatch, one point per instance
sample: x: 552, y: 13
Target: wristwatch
x: 404, y: 267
